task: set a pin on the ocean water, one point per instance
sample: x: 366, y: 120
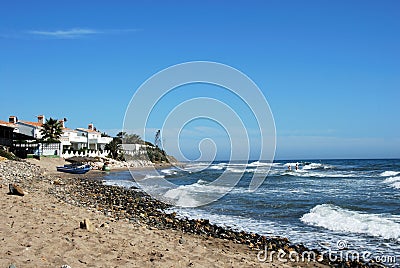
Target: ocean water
x: 356, y: 202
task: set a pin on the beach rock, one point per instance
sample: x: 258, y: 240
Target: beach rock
x: 182, y: 240
x: 104, y: 225
x: 12, y: 265
x: 86, y: 224
x: 15, y: 190
x: 65, y: 266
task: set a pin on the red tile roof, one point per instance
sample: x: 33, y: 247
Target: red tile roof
x: 5, y: 123
x: 35, y: 124
x: 88, y: 130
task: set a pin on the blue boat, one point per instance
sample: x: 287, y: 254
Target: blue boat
x: 74, y: 169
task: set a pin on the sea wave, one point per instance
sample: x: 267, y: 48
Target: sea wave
x: 392, y: 179
x: 313, y: 166
x: 338, y: 219
x: 390, y: 173
x: 153, y: 177
x: 305, y: 173
x: 238, y: 223
x: 192, y: 195
x: 169, y: 171
x: 238, y: 170
x: 393, y: 182
x: 262, y: 164
x: 217, y: 166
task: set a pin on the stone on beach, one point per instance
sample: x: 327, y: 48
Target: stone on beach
x: 86, y: 224
x: 15, y: 190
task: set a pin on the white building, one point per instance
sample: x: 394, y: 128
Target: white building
x: 31, y: 129
x: 70, y: 140
x: 94, y: 140
x: 77, y: 139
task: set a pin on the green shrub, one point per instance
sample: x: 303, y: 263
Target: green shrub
x: 9, y: 156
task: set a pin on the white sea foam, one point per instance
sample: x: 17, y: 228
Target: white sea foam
x: 390, y: 173
x: 238, y: 170
x: 313, y: 166
x: 193, y: 194
x: 262, y: 164
x: 392, y: 179
x: 196, y: 166
x: 169, y: 171
x: 121, y: 183
x: 217, y: 166
x: 182, y: 197
x: 338, y: 219
x: 393, y: 182
x: 291, y: 164
x: 153, y: 177
x: 237, y: 223
x: 322, y: 174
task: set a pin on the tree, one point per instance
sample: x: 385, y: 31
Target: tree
x: 51, y: 130
x: 103, y: 134
x: 114, y: 147
x: 129, y: 138
x: 121, y: 135
x: 133, y: 139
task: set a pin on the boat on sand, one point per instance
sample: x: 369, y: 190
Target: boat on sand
x: 74, y: 169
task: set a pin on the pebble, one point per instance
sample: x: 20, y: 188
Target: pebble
x: 86, y: 224
x: 15, y: 190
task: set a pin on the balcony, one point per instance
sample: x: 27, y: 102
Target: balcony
x: 100, y: 140
x: 78, y: 139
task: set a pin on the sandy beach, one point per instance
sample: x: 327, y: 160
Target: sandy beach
x: 40, y: 230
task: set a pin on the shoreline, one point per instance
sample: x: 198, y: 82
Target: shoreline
x: 49, y: 165
x: 132, y: 210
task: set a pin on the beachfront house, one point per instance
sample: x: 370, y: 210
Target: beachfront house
x: 6, y: 133
x: 134, y: 149
x: 24, y: 137
x: 31, y: 129
x: 70, y: 140
x: 94, y: 139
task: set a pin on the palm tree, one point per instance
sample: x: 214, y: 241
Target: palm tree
x: 51, y: 130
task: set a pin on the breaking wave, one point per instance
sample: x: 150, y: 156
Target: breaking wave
x: 390, y: 173
x: 338, y: 219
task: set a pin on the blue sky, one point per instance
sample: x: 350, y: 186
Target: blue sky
x: 330, y: 70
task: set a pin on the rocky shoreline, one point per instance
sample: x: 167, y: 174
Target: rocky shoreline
x: 139, y: 209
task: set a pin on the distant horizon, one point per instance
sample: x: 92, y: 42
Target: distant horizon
x: 311, y: 159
